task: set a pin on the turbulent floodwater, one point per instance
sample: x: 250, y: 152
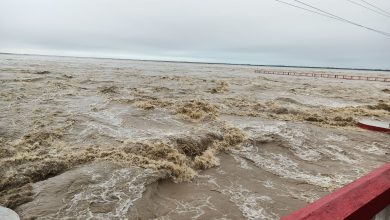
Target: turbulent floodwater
x: 120, y: 139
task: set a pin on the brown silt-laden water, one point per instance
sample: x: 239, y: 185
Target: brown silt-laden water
x: 84, y: 138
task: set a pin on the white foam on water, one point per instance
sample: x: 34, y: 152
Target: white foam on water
x: 109, y: 116
x: 251, y: 204
x: 299, y: 143
x: 374, y: 148
x: 306, y: 148
x: 267, y: 183
x: 307, y: 196
x: 243, y: 163
x: 209, y: 180
x: 220, y: 170
x: 284, y: 167
x: 119, y: 192
x: 336, y: 153
x: 195, y: 208
x: 295, y: 137
x: 336, y: 137
x: 321, y: 101
x: 102, y: 129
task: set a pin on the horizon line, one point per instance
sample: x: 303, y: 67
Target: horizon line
x: 199, y: 62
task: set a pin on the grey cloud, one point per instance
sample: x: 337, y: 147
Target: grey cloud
x: 250, y: 31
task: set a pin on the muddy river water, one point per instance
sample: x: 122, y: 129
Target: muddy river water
x: 84, y: 138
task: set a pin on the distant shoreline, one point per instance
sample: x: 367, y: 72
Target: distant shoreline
x: 212, y: 63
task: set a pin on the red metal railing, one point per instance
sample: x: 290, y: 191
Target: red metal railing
x: 326, y: 75
x: 359, y: 200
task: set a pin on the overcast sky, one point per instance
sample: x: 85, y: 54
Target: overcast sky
x: 240, y: 31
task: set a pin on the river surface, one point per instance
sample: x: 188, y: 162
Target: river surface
x: 84, y: 138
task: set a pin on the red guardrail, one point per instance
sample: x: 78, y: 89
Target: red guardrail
x: 359, y: 200
x: 326, y: 75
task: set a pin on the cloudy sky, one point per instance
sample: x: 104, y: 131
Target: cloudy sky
x: 239, y: 31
